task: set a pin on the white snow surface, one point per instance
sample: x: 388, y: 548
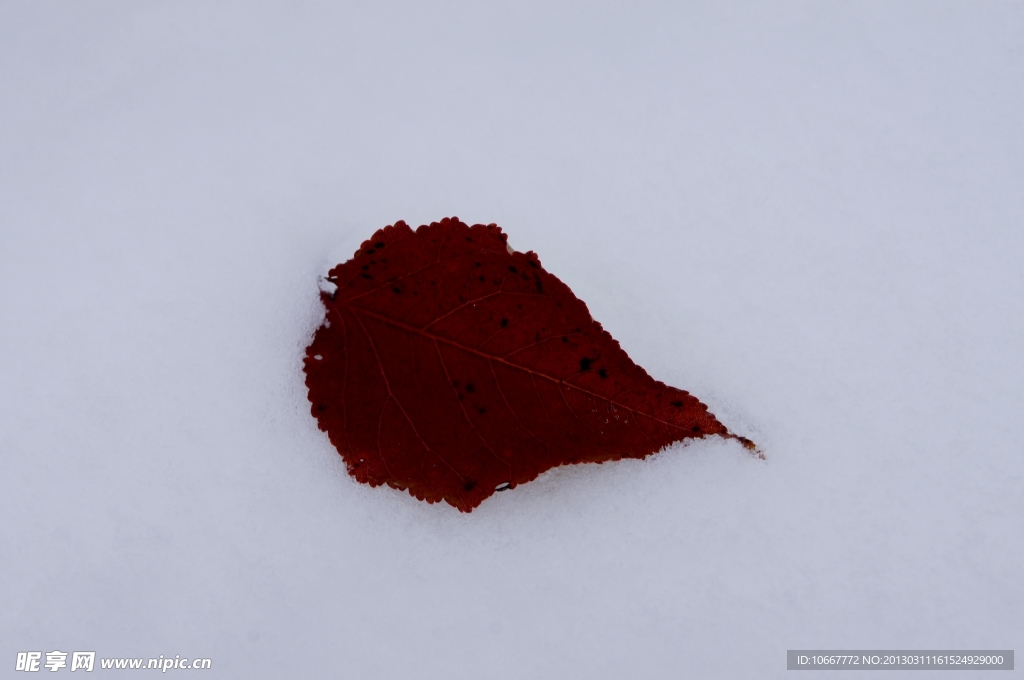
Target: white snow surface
x: 810, y: 215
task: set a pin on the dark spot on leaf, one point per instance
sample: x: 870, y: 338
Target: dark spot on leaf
x: 481, y: 410
x: 396, y: 291
x: 677, y: 404
x: 696, y: 429
x: 378, y: 244
x: 565, y: 339
x: 366, y: 276
x: 470, y: 483
x: 513, y: 269
x: 504, y: 322
x: 365, y: 267
x: 470, y: 387
x: 481, y: 278
x: 585, y: 363
x: 603, y: 373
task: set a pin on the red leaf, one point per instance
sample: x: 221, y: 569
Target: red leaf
x: 453, y: 367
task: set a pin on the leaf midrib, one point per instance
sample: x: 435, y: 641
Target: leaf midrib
x: 458, y: 345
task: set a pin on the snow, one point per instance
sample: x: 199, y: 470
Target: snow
x: 809, y: 215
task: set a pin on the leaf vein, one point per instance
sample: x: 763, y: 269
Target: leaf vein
x: 427, y: 334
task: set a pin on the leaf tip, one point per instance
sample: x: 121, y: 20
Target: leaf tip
x: 750, y: 446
